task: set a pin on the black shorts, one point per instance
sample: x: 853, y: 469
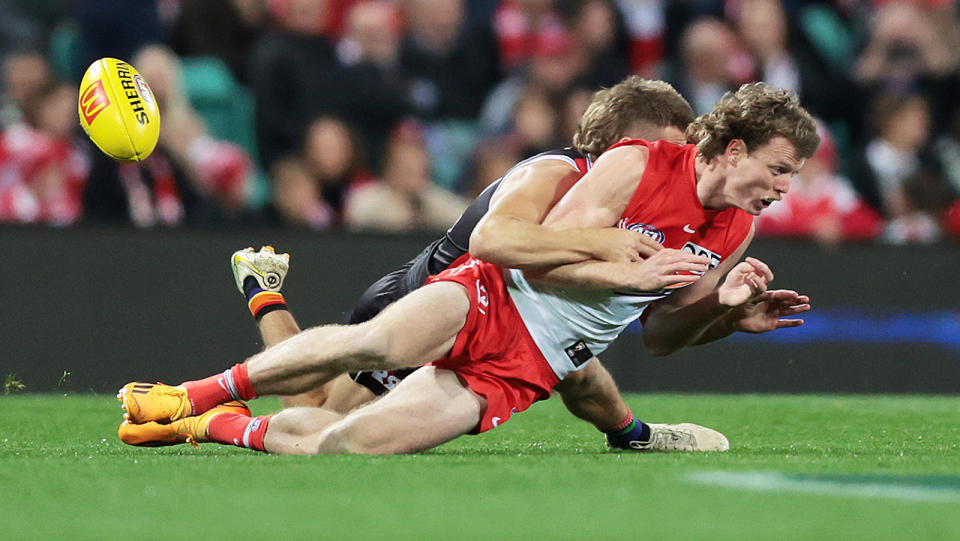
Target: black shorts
x: 378, y: 296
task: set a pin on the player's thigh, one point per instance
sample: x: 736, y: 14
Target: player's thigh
x: 420, y: 327
x: 427, y: 409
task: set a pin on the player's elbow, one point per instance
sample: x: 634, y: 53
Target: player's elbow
x: 484, y: 243
x: 656, y: 345
x: 480, y: 245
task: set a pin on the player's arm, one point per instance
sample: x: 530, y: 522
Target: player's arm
x: 770, y: 311
x: 684, y: 317
x: 598, y: 201
x: 511, y: 234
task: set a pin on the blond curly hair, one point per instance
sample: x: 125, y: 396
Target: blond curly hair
x: 755, y: 113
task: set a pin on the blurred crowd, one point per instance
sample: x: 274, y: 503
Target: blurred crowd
x: 393, y: 114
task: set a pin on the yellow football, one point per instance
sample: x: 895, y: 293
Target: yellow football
x: 118, y: 110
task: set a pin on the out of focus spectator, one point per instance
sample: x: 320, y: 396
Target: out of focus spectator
x: 646, y: 28
x: 225, y: 29
x: 219, y: 170
x: 821, y: 205
x: 556, y: 65
x: 713, y: 61
x: 405, y: 198
x: 519, y: 25
x: 783, y: 57
x: 296, y: 76
x: 191, y: 177
x: 43, y: 170
x: 909, y: 41
x: 596, y: 26
x: 115, y: 29
x: 896, y: 168
x: 450, y: 67
x: 490, y: 160
x: 311, y: 187
x: 292, y: 73
x: 534, y: 126
x: 373, y: 94
x: 25, y: 74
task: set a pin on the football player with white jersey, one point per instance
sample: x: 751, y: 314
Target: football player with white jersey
x: 501, y: 337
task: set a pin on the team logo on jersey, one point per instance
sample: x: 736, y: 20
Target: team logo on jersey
x: 579, y: 353
x: 696, y: 249
x: 643, y: 229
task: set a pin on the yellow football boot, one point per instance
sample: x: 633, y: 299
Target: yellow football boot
x: 192, y: 430
x: 145, y: 402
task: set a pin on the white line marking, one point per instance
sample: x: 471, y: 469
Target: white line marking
x: 777, y: 482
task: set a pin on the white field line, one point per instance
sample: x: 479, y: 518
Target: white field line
x: 777, y: 482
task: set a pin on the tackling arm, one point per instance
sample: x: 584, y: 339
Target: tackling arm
x: 512, y: 234
x: 598, y: 201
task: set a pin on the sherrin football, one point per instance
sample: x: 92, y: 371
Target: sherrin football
x: 118, y: 110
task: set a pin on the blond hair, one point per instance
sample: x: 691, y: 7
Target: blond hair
x: 755, y: 113
x: 634, y: 101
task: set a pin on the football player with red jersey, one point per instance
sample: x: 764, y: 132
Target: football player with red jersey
x: 503, y: 226
x: 503, y: 338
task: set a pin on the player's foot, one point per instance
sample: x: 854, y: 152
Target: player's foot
x: 682, y: 437
x: 266, y: 266
x: 191, y: 430
x: 145, y: 402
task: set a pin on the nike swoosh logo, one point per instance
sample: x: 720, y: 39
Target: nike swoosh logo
x: 688, y: 229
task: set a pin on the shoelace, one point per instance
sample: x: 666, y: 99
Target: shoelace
x: 676, y: 440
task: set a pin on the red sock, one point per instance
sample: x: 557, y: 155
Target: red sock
x: 627, y: 421
x: 238, y: 429
x: 206, y: 394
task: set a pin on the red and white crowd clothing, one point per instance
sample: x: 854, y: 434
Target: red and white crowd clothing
x: 824, y: 201
x: 42, y: 177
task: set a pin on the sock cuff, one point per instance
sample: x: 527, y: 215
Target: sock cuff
x: 240, y: 386
x: 623, y: 426
x: 255, y: 432
x: 263, y: 302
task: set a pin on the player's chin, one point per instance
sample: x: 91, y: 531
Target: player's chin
x: 753, y: 207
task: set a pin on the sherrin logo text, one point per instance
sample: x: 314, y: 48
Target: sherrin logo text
x: 130, y: 91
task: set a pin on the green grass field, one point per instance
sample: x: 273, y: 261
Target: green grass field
x: 800, y: 467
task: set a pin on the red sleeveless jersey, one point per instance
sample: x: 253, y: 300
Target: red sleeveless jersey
x: 665, y: 206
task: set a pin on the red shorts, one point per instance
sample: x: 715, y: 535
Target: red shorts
x: 494, y: 354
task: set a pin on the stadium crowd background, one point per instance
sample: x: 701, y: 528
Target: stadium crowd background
x: 391, y: 115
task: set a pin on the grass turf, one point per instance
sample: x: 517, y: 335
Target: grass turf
x: 800, y: 467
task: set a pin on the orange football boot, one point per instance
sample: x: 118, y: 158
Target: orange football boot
x: 145, y: 402
x: 192, y: 430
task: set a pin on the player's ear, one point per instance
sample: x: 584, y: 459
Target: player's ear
x: 735, y: 151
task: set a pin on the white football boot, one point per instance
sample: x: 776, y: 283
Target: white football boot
x: 682, y: 437
x: 266, y: 266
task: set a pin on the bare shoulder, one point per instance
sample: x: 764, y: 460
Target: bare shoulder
x: 550, y: 176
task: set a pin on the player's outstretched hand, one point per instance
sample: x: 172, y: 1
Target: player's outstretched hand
x: 267, y: 267
x: 622, y: 245
x: 667, y: 267
x: 769, y: 311
x: 745, y: 283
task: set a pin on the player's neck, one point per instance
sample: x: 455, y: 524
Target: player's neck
x: 710, y: 182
